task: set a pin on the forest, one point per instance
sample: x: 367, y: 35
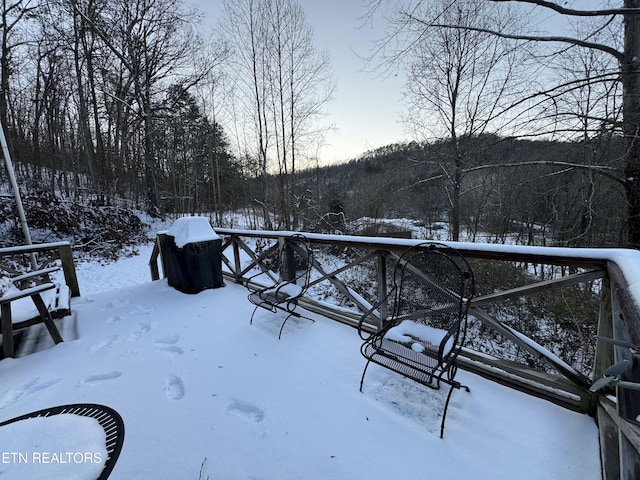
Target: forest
x: 123, y: 105
x: 547, y: 196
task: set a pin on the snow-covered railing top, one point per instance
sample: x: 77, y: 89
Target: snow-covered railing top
x: 547, y: 255
x: 622, y: 264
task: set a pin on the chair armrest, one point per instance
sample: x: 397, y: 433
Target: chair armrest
x: 35, y: 273
x: 27, y: 292
x: 281, y: 289
x: 369, y: 312
x: 248, y: 282
x: 450, y: 333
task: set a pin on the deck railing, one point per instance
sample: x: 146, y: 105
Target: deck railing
x: 618, y: 415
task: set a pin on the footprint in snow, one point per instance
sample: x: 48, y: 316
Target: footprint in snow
x: 246, y: 411
x: 34, y: 385
x: 170, y: 350
x: 115, y: 304
x: 168, y: 340
x: 174, y: 387
x: 142, y: 310
x: 95, y: 380
x: 138, y: 330
x: 113, y: 320
x: 106, y: 343
x: 168, y: 345
x: 83, y: 300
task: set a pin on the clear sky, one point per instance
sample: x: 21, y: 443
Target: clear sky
x: 366, y: 108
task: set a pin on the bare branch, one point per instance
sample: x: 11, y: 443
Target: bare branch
x: 535, y: 38
x: 576, y: 13
x: 609, y: 172
x: 104, y: 37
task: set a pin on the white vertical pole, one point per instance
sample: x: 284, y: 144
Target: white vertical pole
x: 16, y: 193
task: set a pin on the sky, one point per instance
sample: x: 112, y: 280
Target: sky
x: 366, y: 106
x: 204, y: 394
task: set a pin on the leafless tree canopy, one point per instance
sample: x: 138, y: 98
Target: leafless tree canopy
x: 87, y: 86
x: 283, y: 84
x: 577, y: 85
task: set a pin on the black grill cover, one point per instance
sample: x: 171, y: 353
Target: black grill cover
x: 194, y: 267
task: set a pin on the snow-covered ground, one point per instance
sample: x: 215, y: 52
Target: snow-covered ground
x: 206, y: 395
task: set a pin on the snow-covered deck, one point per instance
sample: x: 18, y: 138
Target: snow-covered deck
x: 206, y: 395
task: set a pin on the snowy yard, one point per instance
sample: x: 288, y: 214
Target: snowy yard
x: 206, y: 395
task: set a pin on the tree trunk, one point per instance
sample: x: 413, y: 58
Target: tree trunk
x: 149, y: 160
x: 456, y: 181
x: 631, y: 108
x: 4, y: 70
x: 83, y: 113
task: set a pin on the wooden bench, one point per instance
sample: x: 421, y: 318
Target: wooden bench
x: 25, y: 307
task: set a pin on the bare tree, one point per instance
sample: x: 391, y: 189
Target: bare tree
x: 213, y: 97
x: 243, y: 27
x: 540, y: 112
x: 283, y: 84
x: 13, y: 15
x: 625, y: 52
x: 460, y: 82
x: 154, y: 42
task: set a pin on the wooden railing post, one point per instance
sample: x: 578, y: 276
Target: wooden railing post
x: 626, y: 328
x: 69, y: 269
x: 604, y: 350
x: 609, y: 443
x: 236, y: 259
x: 618, y: 425
x: 162, y: 241
x: 287, y: 261
x: 153, y: 262
x: 382, y: 288
x: 158, y: 248
x: 607, y: 429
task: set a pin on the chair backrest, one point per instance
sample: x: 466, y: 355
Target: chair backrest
x: 296, y: 260
x: 433, y: 285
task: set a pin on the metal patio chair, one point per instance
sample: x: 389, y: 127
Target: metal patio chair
x: 421, y: 339
x: 294, y: 262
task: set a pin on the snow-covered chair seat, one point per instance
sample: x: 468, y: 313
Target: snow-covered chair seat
x: 22, y: 307
x: 423, y: 335
x: 280, y: 293
x: 109, y: 420
x: 295, y: 259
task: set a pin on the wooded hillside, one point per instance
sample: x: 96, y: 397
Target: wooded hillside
x: 536, y: 192
x: 531, y: 192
